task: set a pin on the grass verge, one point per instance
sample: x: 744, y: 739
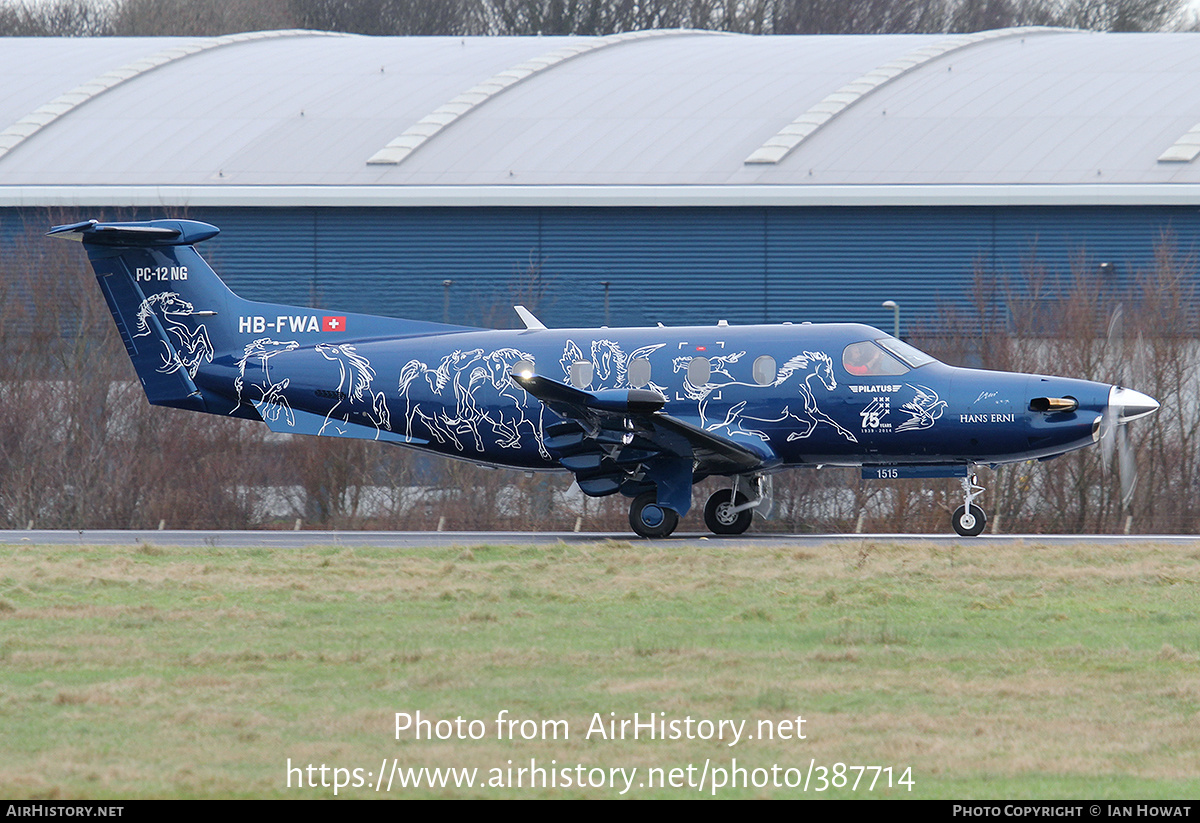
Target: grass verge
x: 1013, y: 671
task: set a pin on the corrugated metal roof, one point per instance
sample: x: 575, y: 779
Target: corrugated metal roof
x: 1061, y: 111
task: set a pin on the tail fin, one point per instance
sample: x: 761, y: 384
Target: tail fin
x: 160, y: 292
x: 175, y: 316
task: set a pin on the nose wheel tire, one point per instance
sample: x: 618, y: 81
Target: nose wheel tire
x: 649, y: 519
x: 969, y: 524
x: 720, y: 517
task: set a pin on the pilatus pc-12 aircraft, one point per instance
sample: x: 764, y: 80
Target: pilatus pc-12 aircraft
x: 644, y: 412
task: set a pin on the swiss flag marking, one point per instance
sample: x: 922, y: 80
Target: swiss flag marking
x: 333, y: 323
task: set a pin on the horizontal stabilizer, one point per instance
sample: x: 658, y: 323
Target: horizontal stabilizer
x: 157, y: 233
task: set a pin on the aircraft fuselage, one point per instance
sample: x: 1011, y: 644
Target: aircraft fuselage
x: 451, y: 393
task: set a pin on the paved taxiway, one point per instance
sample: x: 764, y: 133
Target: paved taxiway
x: 400, y: 540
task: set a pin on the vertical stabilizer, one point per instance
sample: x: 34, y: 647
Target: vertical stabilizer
x: 188, y: 335
x: 164, y: 298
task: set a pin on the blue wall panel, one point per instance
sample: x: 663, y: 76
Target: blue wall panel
x: 674, y: 265
x: 1069, y: 241
x: 841, y: 264
x: 380, y: 261
x: 263, y: 254
x: 398, y: 260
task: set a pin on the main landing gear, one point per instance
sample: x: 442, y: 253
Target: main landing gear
x: 649, y: 519
x: 728, y: 511
x: 968, y: 519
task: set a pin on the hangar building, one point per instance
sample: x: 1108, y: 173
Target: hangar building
x: 689, y: 175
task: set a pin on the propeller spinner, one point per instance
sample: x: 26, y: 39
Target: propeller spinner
x: 1124, y: 405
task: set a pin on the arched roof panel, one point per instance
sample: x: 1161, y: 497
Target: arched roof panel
x: 1062, y: 108
x: 270, y: 111
x: 648, y: 112
x: 39, y: 69
x: 1056, y: 109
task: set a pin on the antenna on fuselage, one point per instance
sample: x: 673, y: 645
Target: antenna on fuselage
x: 528, y: 319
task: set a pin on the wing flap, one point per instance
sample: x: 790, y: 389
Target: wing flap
x: 742, y: 455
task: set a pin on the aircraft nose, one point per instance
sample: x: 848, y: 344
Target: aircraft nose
x: 1129, y: 404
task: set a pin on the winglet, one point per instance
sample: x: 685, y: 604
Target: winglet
x: 528, y: 319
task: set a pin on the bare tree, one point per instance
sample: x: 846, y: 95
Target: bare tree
x: 1117, y: 15
x: 59, y: 18
x: 391, y: 17
x: 858, y: 16
x: 198, y: 17
x: 585, y: 17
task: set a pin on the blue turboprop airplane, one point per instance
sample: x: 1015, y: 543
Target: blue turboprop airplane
x: 644, y: 412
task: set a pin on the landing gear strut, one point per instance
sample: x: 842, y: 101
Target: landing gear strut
x: 969, y: 519
x: 730, y: 512
x: 649, y: 519
x: 727, y: 512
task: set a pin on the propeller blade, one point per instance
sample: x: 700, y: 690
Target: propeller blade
x: 1108, y: 425
x: 1139, y: 356
x: 1116, y: 342
x: 1127, y: 466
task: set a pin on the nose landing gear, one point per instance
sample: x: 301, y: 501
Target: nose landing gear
x: 968, y: 519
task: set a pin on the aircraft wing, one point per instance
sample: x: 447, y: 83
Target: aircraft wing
x: 614, y: 437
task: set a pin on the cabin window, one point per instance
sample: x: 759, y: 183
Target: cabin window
x: 638, y: 371
x: 764, y: 370
x: 581, y: 374
x: 865, y: 359
x: 698, y: 371
x: 523, y: 367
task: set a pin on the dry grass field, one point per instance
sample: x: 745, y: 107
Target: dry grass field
x: 972, y: 671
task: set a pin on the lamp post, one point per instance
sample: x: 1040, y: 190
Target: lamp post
x: 895, y: 307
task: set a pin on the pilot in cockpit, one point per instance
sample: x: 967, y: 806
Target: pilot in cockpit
x: 862, y: 358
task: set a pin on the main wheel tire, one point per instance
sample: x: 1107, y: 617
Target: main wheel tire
x: 649, y: 519
x: 969, y: 525
x: 720, y: 518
